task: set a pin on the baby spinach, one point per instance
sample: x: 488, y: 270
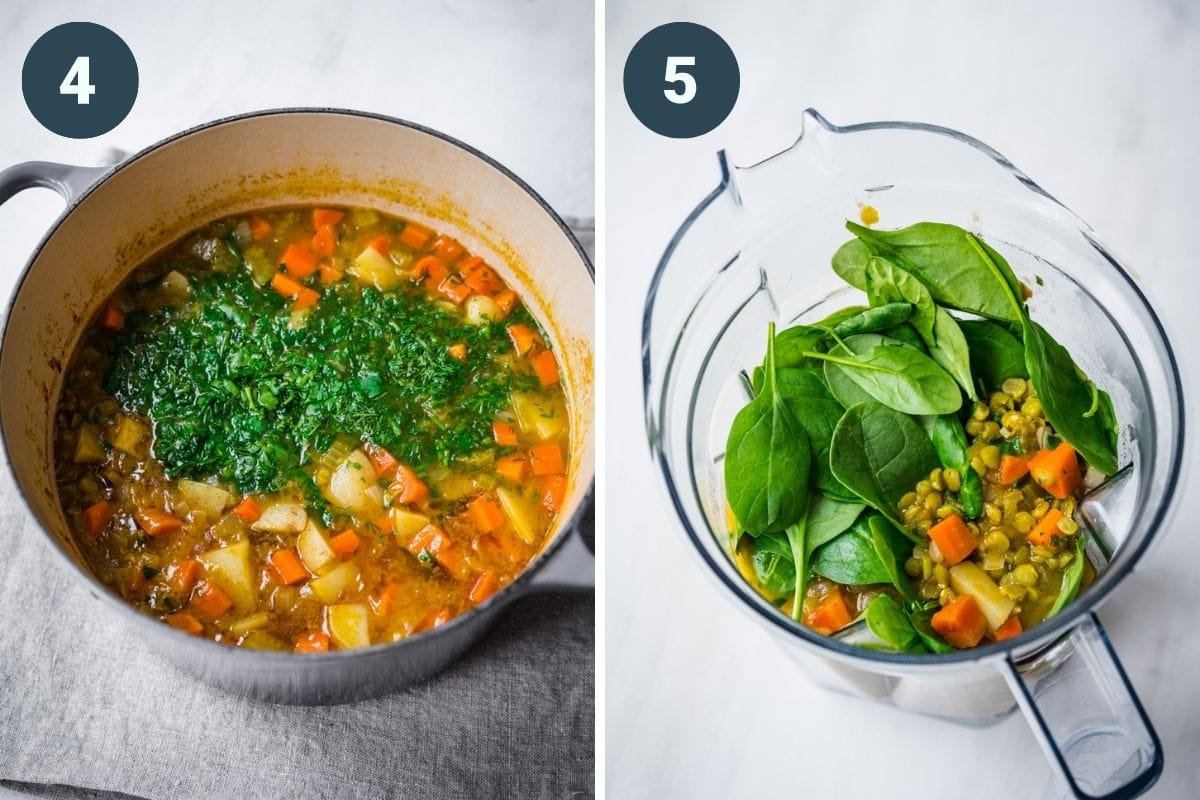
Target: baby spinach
x: 872, y: 320
x: 921, y: 621
x: 950, y: 443
x: 959, y: 270
x: 887, y: 283
x: 899, y: 377
x: 996, y: 355
x: 880, y: 454
x: 950, y: 350
x: 773, y: 566
x: 892, y: 549
x: 1072, y: 578
x: 767, y: 459
x: 851, y: 558
x: 1080, y: 412
x: 888, y: 621
x: 906, y: 334
x: 842, y: 386
x: 850, y: 263
x: 824, y: 521
x: 804, y: 391
x: 791, y: 344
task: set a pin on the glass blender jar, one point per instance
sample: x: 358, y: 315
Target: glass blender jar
x: 757, y: 249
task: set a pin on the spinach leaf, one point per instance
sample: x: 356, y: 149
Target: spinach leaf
x: 888, y: 621
x: 871, y: 320
x: 767, y: 459
x: 1080, y: 412
x: 842, y: 386
x: 950, y: 443
x: 899, y: 377
x: 950, y: 350
x: 827, y: 518
x: 791, y: 344
x: 907, y: 335
x: 837, y: 317
x: 921, y: 622
x: 1072, y: 578
x: 887, y: 283
x: 773, y: 566
x: 880, y: 454
x: 996, y: 355
x: 850, y: 263
x: 851, y: 558
x: 959, y: 270
x: 804, y: 391
x: 892, y: 549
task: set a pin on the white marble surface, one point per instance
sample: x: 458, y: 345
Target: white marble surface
x: 1100, y: 103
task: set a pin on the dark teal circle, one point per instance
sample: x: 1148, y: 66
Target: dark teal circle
x: 112, y: 71
x: 715, y: 71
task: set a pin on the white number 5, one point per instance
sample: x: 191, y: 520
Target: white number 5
x: 688, y: 91
x: 78, y: 81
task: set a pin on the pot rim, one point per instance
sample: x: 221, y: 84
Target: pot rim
x: 523, y: 583
x: 1019, y: 647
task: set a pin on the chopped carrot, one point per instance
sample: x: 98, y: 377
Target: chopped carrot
x: 545, y: 367
x: 512, y: 467
x: 323, y: 241
x: 286, y: 566
x: 960, y: 622
x: 507, y: 300
x: 381, y: 245
x: 329, y: 275
x: 407, y: 487
x: 1056, y: 471
x: 298, y: 260
x: 259, y: 228
x: 832, y: 614
x: 1047, y: 528
x: 523, y: 338
x: 157, y: 522
x: 186, y: 623
x: 454, y: 289
x: 554, y: 492
x: 458, y: 350
x: 431, y: 268
x: 313, y: 642
x: 433, y: 620
x: 182, y: 575
x: 384, y: 603
x: 546, y: 458
x: 1013, y: 468
x: 345, y: 543
x: 384, y: 523
x: 479, y: 276
x: 485, y: 586
x: 326, y: 216
x: 415, y: 236
x: 384, y: 462
x: 433, y: 540
x: 247, y: 510
x: 111, y: 317
x: 286, y: 286
x: 210, y: 601
x: 503, y: 433
x: 448, y: 250
x: 97, y: 516
x: 954, y: 539
x: 1008, y: 630
x: 306, y: 298
x: 485, y: 514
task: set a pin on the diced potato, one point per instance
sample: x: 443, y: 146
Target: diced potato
x: 88, y: 449
x: 175, y: 287
x: 545, y: 417
x: 348, y: 624
x: 282, y: 518
x: 406, y: 523
x: 457, y: 485
x: 333, y: 584
x: 250, y: 623
x: 374, y: 268
x: 363, y: 217
x: 480, y: 309
x: 315, y: 551
x: 968, y: 578
x: 229, y: 567
x: 351, y: 484
x: 520, y: 514
x: 212, y: 500
x: 129, y: 436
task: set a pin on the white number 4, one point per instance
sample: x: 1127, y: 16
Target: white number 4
x: 78, y: 81
x: 685, y: 94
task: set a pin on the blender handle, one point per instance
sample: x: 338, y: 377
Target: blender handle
x: 1087, y: 716
x: 68, y: 180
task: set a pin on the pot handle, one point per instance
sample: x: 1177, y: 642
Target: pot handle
x: 572, y: 566
x: 68, y: 180
x: 1087, y: 716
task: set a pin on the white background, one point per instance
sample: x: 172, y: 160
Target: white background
x: 1098, y: 102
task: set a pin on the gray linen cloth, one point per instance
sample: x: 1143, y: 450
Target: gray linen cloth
x: 87, y: 711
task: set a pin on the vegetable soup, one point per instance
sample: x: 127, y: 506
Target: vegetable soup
x: 312, y: 429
